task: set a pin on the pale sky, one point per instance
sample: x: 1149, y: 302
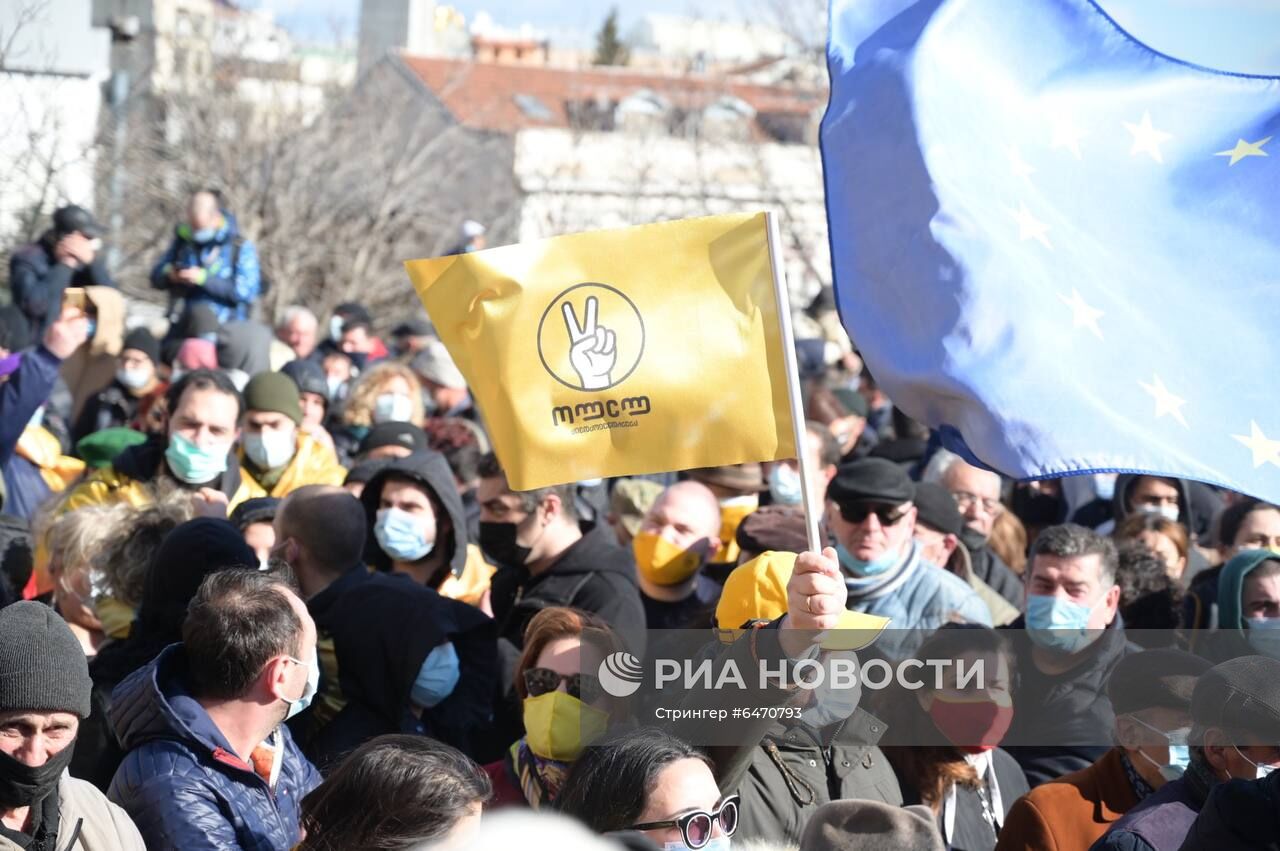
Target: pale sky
x: 1237, y: 35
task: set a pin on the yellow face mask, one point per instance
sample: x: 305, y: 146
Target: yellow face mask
x: 662, y: 562
x: 732, y: 513
x: 558, y: 726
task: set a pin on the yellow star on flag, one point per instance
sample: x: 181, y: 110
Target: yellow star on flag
x: 1029, y: 227
x: 1083, y: 315
x: 1244, y: 149
x: 1147, y: 139
x: 1264, y: 449
x: 1166, y: 402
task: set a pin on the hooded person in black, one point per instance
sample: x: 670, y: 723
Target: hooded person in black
x: 395, y: 656
x: 189, y: 553
x: 418, y: 527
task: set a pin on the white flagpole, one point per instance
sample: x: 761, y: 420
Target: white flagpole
x: 808, y: 489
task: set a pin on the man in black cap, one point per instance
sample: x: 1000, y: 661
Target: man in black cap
x: 313, y: 397
x: 939, y: 526
x: 871, y: 514
x: 1235, y: 735
x: 1151, y: 695
x: 126, y: 401
x: 391, y: 441
x: 66, y: 255
x: 44, y: 695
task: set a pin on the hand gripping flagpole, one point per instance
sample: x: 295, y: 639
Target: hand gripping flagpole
x: 808, y: 487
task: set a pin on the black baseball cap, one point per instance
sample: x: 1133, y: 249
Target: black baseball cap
x: 74, y: 219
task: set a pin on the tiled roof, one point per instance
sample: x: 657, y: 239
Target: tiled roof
x: 482, y: 95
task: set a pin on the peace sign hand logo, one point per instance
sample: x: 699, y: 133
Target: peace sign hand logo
x: 601, y: 351
x: 594, y: 351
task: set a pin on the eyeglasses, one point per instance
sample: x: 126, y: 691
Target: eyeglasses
x: 696, y: 827
x: 964, y: 500
x: 540, y: 681
x: 888, y: 515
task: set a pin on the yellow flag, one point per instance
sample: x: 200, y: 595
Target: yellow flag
x: 618, y: 352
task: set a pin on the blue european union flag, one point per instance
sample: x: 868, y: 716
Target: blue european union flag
x: 1054, y: 243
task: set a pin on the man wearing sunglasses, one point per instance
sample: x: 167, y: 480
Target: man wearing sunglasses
x: 872, y: 518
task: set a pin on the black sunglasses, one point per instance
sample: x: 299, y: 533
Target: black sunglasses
x: 858, y: 512
x: 696, y: 827
x: 539, y: 681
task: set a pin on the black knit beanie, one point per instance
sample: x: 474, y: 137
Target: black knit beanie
x: 42, y: 665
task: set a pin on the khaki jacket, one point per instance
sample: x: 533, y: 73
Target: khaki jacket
x: 87, y: 821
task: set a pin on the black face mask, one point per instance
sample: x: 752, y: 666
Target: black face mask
x: 973, y: 541
x: 22, y: 785
x: 498, y: 540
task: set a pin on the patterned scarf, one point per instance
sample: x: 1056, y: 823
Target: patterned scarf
x: 540, y: 779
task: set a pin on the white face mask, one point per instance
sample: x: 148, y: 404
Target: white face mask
x: 1168, y: 512
x: 134, y: 379
x: 392, y: 408
x: 270, y: 449
x: 1260, y: 770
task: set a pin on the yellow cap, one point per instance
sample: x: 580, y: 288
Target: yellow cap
x: 757, y: 591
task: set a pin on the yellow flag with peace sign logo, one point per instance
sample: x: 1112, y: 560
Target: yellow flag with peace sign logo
x: 611, y: 353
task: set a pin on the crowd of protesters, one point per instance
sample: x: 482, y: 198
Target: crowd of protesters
x: 267, y: 587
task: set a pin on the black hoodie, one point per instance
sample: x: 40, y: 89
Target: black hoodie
x: 594, y: 575
x: 431, y: 471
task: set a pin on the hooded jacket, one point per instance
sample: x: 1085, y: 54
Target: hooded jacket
x: 232, y: 278
x: 246, y: 347
x: 1197, y: 505
x: 375, y: 632
x: 182, y: 782
x: 467, y: 575
x: 135, y: 472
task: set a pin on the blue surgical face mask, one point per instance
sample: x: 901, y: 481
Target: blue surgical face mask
x: 309, y: 690
x: 1059, y: 625
x: 194, y: 465
x: 204, y: 235
x: 335, y: 328
x: 334, y: 384
x: 401, y: 536
x: 392, y: 408
x: 1264, y: 636
x: 784, y: 485
x: 437, y: 677
x: 1179, y: 752
x: 862, y: 569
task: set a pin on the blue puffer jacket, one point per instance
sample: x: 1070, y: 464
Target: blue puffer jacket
x: 181, y: 782
x: 231, y: 284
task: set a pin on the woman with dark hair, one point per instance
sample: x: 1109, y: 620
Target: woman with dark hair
x: 952, y: 763
x: 394, y: 792
x: 562, y: 704
x: 649, y: 781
